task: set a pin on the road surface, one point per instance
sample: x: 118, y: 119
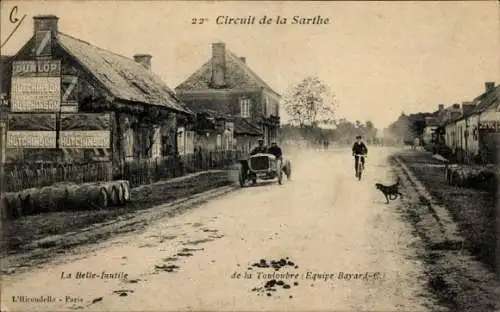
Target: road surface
x: 342, y: 247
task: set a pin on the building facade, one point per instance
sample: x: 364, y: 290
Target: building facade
x: 65, y: 77
x: 473, y: 136
x: 226, y: 85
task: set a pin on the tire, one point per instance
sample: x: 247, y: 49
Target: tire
x: 360, y: 172
x: 288, y: 171
x: 125, y: 190
x: 279, y: 172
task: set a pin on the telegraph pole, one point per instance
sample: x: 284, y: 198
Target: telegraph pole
x: 3, y: 147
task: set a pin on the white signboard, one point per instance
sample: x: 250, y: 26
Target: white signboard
x: 36, y: 94
x: 489, y: 124
x: 85, y: 139
x: 31, y: 139
x: 36, y: 68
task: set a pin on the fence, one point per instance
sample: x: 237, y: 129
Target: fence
x: 137, y: 172
x: 23, y: 176
x: 140, y: 172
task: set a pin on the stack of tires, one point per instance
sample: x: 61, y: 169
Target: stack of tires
x: 65, y: 197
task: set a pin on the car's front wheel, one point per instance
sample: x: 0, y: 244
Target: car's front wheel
x: 279, y: 172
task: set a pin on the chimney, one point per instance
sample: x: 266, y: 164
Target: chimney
x: 218, y: 64
x: 467, y: 107
x: 143, y: 59
x: 243, y: 59
x: 46, y: 22
x: 489, y: 86
x: 440, y: 107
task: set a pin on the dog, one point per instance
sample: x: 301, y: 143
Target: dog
x: 390, y: 192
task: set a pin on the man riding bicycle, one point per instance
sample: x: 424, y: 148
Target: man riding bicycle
x: 359, y: 148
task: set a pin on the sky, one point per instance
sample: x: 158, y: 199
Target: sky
x: 379, y: 58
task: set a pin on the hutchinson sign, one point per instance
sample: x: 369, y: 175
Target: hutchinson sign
x: 36, y: 86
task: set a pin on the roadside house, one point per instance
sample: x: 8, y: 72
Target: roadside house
x: 473, y: 136
x: 141, y: 111
x: 226, y: 85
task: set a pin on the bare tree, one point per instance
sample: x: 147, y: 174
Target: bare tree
x: 310, y: 103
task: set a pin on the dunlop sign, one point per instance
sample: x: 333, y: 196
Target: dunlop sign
x: 36, y: 68
x: 36, y: 94
x: 85, y: 139
x: 31, y: 139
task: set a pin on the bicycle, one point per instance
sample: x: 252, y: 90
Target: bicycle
x: 359, y: 167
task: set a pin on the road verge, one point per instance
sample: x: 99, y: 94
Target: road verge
x: 44, y: 248
x: 459, y: 281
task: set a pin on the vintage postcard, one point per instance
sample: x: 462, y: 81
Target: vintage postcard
x: 250, y: 155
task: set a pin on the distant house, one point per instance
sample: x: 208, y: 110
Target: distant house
x: 142, y: 110
x: 225, y: 85
x: 429, y: 135
x: 473, y: 134
x: 442, y: 117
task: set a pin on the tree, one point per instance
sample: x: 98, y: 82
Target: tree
x: 310, y: 103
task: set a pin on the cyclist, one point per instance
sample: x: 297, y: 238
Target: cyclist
x: 359, y: 148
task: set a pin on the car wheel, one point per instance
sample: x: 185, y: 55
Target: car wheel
x: 288, y: 171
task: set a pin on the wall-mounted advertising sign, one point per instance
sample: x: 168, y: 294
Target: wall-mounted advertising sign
x: 489, y: 124
x: 38, y: 68
x: 90, y: 130
x: 85, y: 139
x: 31, y: 139
x: 36, y: 94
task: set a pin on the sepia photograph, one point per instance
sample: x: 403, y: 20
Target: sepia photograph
x: 164, y: 155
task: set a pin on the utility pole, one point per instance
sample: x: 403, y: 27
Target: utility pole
x: 2, y: 162
x: 3, y: 148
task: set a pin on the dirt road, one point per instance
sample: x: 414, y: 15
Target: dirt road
x: 333, y: 242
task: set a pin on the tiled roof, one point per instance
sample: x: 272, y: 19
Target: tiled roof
x: 238, y: 76
x: 243, y: 126
x: 487, y: 99
x: 123, y: 77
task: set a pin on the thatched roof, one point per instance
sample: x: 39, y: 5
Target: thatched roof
x: 123, y: 77
x: 238, y: 76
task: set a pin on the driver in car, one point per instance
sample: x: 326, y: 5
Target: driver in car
x: 259, y: 148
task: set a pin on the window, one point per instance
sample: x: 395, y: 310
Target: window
x: 218, y: 143
x: 245, y: 107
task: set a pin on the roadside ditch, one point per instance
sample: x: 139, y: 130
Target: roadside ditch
x: 458, y: 280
